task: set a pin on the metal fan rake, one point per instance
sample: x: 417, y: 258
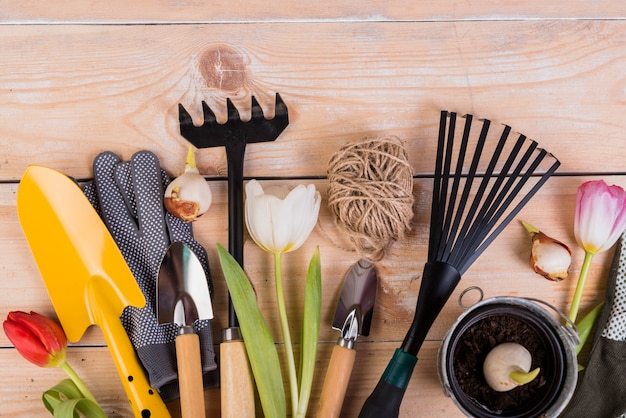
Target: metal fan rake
x: 481, y: 182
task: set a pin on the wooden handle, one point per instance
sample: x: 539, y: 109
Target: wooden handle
x: 336, y: 382
x: 236, y: 381
x: 190, y: 376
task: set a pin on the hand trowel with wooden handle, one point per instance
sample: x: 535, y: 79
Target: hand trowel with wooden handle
x: 353, y: 317
x: 85, y: 273
x: 182, y: 298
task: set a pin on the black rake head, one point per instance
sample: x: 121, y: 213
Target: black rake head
x: 214, y: 134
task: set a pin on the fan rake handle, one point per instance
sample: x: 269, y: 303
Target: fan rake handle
x: 438, y: 281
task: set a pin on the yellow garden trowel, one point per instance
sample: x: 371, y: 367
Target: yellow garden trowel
x: 85, y: 273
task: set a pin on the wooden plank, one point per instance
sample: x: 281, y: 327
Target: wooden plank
x: 149, y: 11
x: 69, y: 92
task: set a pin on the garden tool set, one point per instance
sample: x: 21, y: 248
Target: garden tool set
x: 138, y: 263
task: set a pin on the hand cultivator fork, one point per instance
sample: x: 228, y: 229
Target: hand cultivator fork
x: 234, y: 135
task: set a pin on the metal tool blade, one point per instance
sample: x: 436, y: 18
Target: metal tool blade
x: 182, y: 298
x: 356, y: 303
x: 182, y: 288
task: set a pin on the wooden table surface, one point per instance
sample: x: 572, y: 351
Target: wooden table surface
x: 78, y: 78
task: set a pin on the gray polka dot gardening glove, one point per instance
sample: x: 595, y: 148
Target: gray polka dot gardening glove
x: 602, y: 391
x: 129, y: 198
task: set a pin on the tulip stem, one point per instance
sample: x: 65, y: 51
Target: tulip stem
x: 573, y: 313
x: 65, y: 366
x: 291, y: 364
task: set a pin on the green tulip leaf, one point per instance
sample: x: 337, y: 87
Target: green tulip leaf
x: 65, y: 400
x: 586, y: 325
x: 310, y: 331
x: 257, y: 337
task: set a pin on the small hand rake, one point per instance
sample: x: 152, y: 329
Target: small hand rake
x: 237, y: 391
x: 467, y: 215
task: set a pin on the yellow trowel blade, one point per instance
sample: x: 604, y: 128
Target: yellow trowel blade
x: 72, y: 247
x: 85, y: 273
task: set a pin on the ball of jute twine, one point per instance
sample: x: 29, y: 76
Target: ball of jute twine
x: 370, y: 193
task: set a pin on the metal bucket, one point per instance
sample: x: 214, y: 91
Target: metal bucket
x: 559, y: 341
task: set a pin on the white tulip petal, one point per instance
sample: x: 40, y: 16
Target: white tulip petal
x: 254, y: 189
x: 282, y: 224
x: 257, y: 209
x: 306, y: 208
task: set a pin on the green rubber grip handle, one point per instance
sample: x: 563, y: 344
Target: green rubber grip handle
x: 385, y: 400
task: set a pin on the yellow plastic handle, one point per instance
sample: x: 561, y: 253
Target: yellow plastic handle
x: 190, y: 376
x: 336, y: 382
x: 144, y: 400
x: 236, y: 381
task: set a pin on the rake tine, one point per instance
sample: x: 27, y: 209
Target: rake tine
x: 280, y: 108
x: 256, y: 111
x: 209, y: 115
x: 184, y: 118
x: 461, y: 215
x: 468, y: 227
x: 444, y: 181
x: 501, y: 203
x: 445, y: 251
x: 492, y: 201
x: 511, y: 215
x: 435, y: 212
x: 233, y: 113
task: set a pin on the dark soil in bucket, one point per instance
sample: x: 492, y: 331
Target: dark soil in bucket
x: 474, y: 345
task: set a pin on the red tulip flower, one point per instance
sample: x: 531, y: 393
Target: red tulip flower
x: 599, y: 221
x: 41, y: 341
x: 37, y: 338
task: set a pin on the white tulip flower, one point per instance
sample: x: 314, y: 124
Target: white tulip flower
x: 280, y: 220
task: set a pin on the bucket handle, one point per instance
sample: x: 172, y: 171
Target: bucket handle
x: 467, y: 290
x: 571, y: 330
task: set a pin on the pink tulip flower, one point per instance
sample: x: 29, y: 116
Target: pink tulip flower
x: 600, y: 215
x: 599, y: 221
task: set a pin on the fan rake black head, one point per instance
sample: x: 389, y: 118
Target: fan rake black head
x: 460, y: 231
x: 480, y: 185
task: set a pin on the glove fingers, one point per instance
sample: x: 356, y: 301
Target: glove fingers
x: 148, y: 193
x: 123, y: 178
x: 112, y: 205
